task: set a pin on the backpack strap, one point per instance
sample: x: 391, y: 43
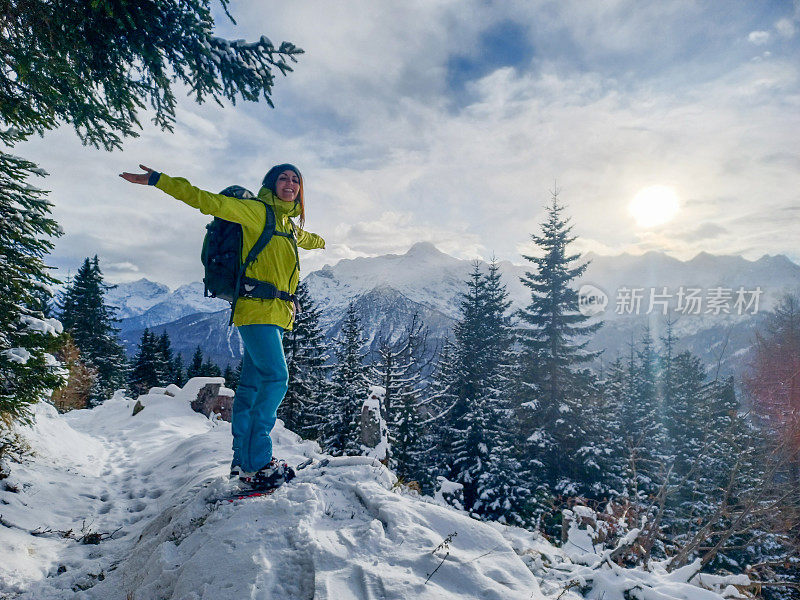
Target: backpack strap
x: 247, y: 287
x: 255, y: 288
x: 264, y: 238
x: 261, y: 243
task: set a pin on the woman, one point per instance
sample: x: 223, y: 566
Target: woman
x: 261, y: 322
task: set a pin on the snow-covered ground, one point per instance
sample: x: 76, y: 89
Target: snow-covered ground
x: 145, y: 489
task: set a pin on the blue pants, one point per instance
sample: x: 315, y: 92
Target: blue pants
x: 262, y: 386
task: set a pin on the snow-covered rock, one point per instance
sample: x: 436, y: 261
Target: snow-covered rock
x: 374, y: 430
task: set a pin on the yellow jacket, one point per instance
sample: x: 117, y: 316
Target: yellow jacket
x: 275, y: 264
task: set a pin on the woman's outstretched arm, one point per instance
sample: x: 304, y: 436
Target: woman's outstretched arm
x: 249, y: 213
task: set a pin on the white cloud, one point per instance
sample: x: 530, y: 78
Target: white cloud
x: 390, y: 159
x: 785, y: 28
x: 123, y: 266
x: 759, y: 38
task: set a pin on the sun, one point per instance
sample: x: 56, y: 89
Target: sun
x: 654, y: 205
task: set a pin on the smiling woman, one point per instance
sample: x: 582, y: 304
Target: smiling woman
x: 654, y: 205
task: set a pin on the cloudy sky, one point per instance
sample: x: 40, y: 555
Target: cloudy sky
x: 452, y: 121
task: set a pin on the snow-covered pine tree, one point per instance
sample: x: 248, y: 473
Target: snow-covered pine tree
x: 165, y: 360
x: 553, y: 337
x: 398, y: 372
x: 647, y: 445
x: 26, y: 340
x: 306, y: 355
x: 465, y: 443
x: 685, y: 415
x: 341, y: 410
x: 613, y: 458
x: 477, y: 440
x: 92, y: 324
x: 144, y: 373
x: 665, y: 379
x: 503, y: 492
x: 237, y: 374
x: 55, y: 73
x: 555, y: 331
x: 439, y: 400
x: 228, y: 375
x: 706, y: 434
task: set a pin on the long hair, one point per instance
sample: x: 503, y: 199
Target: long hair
x: 302, y: 220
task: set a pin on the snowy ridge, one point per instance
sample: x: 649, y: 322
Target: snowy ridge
x: 147, y: 485
x: 389, y: 289
x: 186, y: 300
x: 134, y: 298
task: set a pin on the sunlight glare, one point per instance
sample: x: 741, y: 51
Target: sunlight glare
x: 654, y: 205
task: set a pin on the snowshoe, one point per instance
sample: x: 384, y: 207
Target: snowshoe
x: 257, y: 492
x: 272, y: 475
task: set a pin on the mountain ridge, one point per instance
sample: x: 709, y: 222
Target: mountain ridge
x: 428, y: 282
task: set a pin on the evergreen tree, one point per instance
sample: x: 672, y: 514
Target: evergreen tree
x: 91, y: 323
x: 165, y: 367
x: 552, y: 389
x: 25, y: 239
x: 465, y: 440
x: 613, y: 459
x: 503, y: 492
x: 440, y: 400
x: 398, y: 372
x: 210, y: 369
x: 177, y: 370
x: 306, y: 353
x: 96, y: 66
x: 237, y: 374
x: 228, y: 374
x: 554, y: 325
x: 685, y: 415
x: 195, y: 368
x: 666, y: 370
x: 477, y: 437
x: 646, y: 445
x: 341, y: 411
x: 145, y: 371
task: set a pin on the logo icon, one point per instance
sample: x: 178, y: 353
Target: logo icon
x: 591, y: 300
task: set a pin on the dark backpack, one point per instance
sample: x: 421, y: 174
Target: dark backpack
x: 222, y: 257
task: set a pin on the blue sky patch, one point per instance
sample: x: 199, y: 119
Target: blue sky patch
x: 505, y: 44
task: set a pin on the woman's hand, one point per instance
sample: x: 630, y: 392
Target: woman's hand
x: 138, y: 177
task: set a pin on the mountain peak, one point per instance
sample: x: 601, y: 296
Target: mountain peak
x: 423, y: 248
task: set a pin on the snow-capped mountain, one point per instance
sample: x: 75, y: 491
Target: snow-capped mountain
x: 134, y: 298
x: 388, y: 290
x: 184, y: 301
x: 424, y: 275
